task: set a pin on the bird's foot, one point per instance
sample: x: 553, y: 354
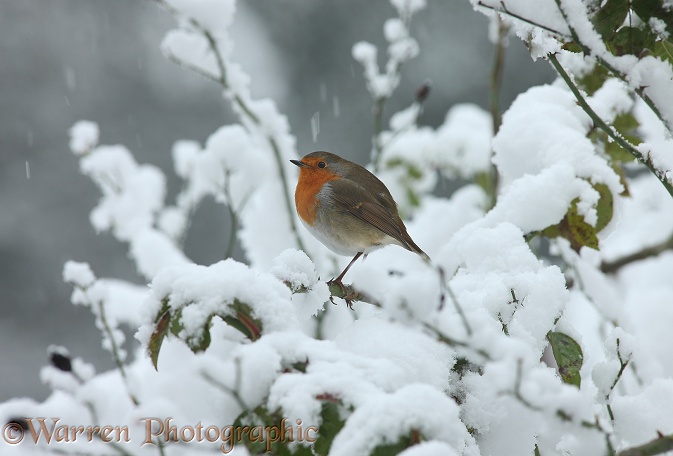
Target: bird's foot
x: 345, y: 292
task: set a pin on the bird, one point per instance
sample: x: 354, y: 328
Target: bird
x: 348, y: 209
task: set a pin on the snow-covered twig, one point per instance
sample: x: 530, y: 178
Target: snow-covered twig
x: 610, y: 131
x: 381, y: 85
x: 610, y: 267
x: 503, y: 10
x: 660, y: 445
x: 242, y: 108
x: 588, y: 51
x: 623, y: 364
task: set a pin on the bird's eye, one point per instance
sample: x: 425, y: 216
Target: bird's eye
x: 322, y: 164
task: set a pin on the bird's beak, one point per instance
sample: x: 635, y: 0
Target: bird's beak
x: 299, y: 163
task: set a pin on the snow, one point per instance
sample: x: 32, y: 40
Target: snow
x: 132, y: 193
x: 462, y: 144
x: 79, y: 274
x: 213, y: 15
x: 638, y: 418
x: 408, y: 7
x: 295, y: 269
x: 454, y: 352
x: 415, y: 407
x: 83, y: 137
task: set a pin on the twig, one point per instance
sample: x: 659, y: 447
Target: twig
x: 561, y: 414
x: 647, y: 161
x: 349, y: 294
x: 243, y: 108
x: 233, y: 392
x: 588, y: 51
x: 507, y: 12
x: 622, y: 367
x: 114, y: 349
x: 609, y: 267
x: 660, y: 445
x: 444, y: 286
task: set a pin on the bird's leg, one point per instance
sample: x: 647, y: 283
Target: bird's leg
x: 341, y: 276
x: 338, y: 281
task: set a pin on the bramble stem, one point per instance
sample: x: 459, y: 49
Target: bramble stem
x: 647, y: 161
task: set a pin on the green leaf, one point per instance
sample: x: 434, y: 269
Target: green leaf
x: 573, y: 228
x: 158, y: 335
x: 647, y: 9
x: 619, y: 169
x: 664, y: 50
x: 618, y: 153
x: 330, y: 427
x: 593, y: 81
x: 631, y: 40
x: 610, y: 17
x: 581, y: 232
x: 568, y: 356
x: 571, y: 46
x: 605, y: 206
x: 202, y: 342
x: 403, y: 443
x: 627, y: 125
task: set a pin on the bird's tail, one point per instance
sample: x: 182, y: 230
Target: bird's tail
x: 410, y: 245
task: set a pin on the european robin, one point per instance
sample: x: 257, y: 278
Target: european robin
x: 347, y: 208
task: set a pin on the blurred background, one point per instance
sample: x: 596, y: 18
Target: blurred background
x: 66, y: 60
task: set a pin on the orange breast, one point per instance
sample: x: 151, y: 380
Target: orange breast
x: 310, y: 183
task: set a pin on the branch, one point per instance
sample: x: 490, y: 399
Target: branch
x: 588, y: 51
x: 114, y: 349
x: 622, y: 367
x: 609, y: 267
x: 233, y: 392
x: 444, y: 286
x: 507, y: 12
x: 660, y: 445
x: 455, y: 342
x: 349, y: 294
x: 647, y: 161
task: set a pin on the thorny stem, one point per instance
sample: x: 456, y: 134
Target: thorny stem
x: 647, y: 161
x: 244, y: 111
x: 503, y: 10
x: 587, y: 51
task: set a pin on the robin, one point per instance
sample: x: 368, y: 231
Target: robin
x: 347, y: 208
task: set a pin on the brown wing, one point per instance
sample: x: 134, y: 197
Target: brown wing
x: 352, y: 198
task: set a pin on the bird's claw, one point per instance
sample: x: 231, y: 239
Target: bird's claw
x: 347, y: 293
